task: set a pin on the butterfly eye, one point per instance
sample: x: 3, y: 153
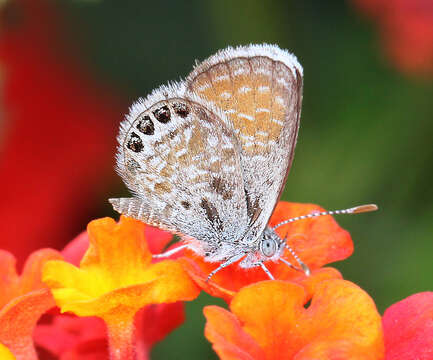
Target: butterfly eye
x: 268, y: 247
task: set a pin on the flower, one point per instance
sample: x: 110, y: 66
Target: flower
x: 156, y: 239
x: 408, y: 328
x: 406, y: 28
x: 70, y: 337
x: 23, y: 300
x: 5, y: 353
x: 116, y: 279
x: 55, y: 112
x: 317, y: 241
x: 154, y: 322
x: 272, y: 320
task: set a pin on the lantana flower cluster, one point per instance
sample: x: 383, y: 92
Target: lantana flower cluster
x: 104, y: 296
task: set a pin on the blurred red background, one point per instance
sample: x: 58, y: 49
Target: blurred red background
x: 59, y: 134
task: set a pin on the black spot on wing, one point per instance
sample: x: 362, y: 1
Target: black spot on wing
x: 146, y: 126
x: 181, y: 109
x: 162, y: 114
x: 134, y: 143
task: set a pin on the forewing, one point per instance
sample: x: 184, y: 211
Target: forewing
x: 182, y: 163
x: 259, y: 88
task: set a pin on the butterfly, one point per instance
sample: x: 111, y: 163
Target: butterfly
x: 207, y: 158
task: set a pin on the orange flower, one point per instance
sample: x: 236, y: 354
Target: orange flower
x: 23, y: 299
x: 116, y: 279
x: 269, y: 320
x: 317, y: 242
x: 156, y: 240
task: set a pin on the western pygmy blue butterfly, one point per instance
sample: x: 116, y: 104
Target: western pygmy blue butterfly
x: 207, y: 158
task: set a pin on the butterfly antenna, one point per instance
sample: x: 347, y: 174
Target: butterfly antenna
x: 354, y: 210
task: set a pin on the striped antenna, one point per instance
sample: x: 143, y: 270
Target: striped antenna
x: 354, y: 210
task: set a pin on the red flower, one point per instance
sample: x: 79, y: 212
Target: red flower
x: 268, y: 320
x: 406, y: 28
x: 408, y: 328
x: 317, y: 241
x: 68, y: 336
x: 59, y: 134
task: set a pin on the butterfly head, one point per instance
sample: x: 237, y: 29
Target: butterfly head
x: 271, y: 245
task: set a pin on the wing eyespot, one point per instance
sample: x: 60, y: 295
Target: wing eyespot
x: 181, y: 109
x: 134, y: 143
x: 162, y: 114
x: 146, y: 126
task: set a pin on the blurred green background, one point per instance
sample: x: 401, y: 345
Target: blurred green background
x: 366, y: 129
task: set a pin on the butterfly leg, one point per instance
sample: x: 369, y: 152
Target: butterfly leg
x: 170, y: 252
x: 225, y: 264
x: 289, y: 264
x: 304, y: 266
x: 266, y: 270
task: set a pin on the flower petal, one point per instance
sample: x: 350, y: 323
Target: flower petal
x: 88, y: 350
x: 229, y: 340
x: 23, y: 300
x: 5, y: 353
x: 9, y: 277
x: 74, y: 251
x: 318, y: 241
x: 273, y: 314
x: 408, y: 328
x: 65, y: 332
x: 18, y: 319
x: 153, y: 323
x: 157, y: 239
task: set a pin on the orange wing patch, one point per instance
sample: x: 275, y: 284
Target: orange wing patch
x: 259, y: 88
x: 255, y: 101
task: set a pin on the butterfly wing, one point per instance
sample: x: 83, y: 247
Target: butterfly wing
x: 259, y: 88
x: 182, y: 163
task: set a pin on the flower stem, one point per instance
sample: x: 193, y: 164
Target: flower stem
x: 121, y: 335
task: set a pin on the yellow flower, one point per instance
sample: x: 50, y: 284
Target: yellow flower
x: 116, y: 279
x: 5, y: 354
